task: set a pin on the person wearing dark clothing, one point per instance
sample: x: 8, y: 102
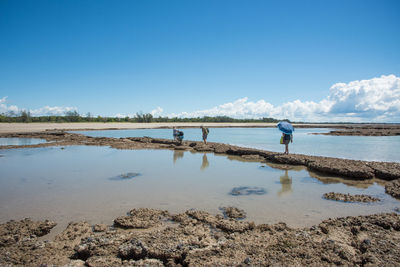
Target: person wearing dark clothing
x: 178, y: 135
x: 286, y: 139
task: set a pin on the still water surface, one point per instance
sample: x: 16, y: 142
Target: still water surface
x: 20, y: 141
x: 85, y: 183
x: 374, y: 148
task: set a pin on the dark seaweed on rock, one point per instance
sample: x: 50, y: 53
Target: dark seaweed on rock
x: 125, y: 176
x: 245, y: 191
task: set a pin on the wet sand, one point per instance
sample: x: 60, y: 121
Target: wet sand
x: 80, y: 126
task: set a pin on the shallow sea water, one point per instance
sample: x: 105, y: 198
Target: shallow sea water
x: 373, y: 148
x: 98, y: 184
x: 20, y: 141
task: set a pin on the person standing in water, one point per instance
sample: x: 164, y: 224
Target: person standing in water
x: 205, y: 132
x: 286, y: 139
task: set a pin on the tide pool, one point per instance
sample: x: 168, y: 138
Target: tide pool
x: 98, y: 184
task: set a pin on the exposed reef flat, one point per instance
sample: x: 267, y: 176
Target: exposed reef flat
x: 366, y: 130
x: 349, y: 198
x: 197, y: 238
x: 393, y: 188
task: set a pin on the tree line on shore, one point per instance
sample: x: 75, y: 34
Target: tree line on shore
x: 74, y: 116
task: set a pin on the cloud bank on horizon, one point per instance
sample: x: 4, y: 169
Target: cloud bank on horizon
x: 373, y: 100
x: 43, y: 111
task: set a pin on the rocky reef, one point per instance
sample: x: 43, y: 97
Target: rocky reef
x: 349, y: 198
x: 197, y: 238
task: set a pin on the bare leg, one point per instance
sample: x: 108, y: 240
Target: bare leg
x: 205, y: 140
x: 286, y: 148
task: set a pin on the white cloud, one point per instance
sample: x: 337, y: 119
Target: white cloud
x: 119, y: 115
x: 157, y: 112
x: 377, y: 99
x: 51, y: 110
x: 4, y: 108
x: 47, y: 110
x: 373, y: 100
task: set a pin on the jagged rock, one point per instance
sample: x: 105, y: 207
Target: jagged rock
x: 15, y: 231
x: 144, y: 263
x: 393, y: 188
x: 385, y: 170
x: 140, y: 218
x: 349, y: 168
x: 99, y: 228
x: 349, y: 198
x: 75, y: 263
x: 74, y: 233
x: 197, y: 238
x: 233, y: 212
x: 101, y: 261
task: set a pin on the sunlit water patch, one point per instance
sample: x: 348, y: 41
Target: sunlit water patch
x: 99, y: 184
x: 20, y: 141
x: 374, y: 148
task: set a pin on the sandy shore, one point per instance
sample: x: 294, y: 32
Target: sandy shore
x: 39, y: 127
x: 345, y: 129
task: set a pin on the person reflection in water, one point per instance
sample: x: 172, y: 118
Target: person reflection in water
x: 204, y: 164
x: 178, y: 154
x: 286, y: 183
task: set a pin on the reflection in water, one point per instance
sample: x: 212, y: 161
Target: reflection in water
x: 178, y: 154
x: 327, y: 179
x: 77, y: 179
x: 286, y: 182
x: 204, y: 164
x: 281, y: 166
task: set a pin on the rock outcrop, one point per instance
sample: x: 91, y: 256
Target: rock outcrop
x: 197, y: 238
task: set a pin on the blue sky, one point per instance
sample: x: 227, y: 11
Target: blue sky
x: 190, y: 57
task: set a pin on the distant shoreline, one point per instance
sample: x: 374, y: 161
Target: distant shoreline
x: 361, y: 129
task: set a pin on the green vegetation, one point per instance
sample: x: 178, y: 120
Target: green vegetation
x: 74, y: 116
